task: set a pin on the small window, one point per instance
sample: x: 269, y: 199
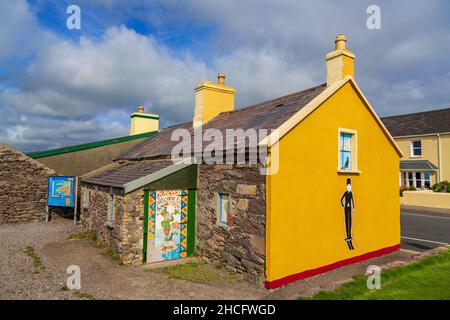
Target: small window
x: 110, y: 214
x: 416, y: 148
x: 426, y: 180
x: 347, y: 150
x: 223, y: 208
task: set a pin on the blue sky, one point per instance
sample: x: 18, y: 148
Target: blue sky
x: 61, y: 87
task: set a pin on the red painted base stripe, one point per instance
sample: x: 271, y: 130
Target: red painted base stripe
x: 313, y: 272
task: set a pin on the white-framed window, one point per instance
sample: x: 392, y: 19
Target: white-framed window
x: 347, y: 146
x: 417, y: 179
x: 416, y: 148
x: 110, y: 213
x: 223, y: 208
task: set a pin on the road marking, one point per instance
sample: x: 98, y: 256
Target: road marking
x: 423, y: 240
x: 424, y: 215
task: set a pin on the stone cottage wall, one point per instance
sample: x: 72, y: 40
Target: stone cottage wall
x: 240, y: 246
x: 126, y: 234
x: 23, y: 186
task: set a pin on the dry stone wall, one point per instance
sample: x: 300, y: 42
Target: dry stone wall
x: 23, y: 186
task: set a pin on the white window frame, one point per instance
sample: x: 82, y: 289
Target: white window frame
x: 353, y: 150
x: 414, y: 178
x: 411, y: 149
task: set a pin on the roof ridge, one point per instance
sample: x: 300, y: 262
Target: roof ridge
x: 414, y: 113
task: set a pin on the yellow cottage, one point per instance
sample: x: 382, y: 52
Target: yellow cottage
x: 329, y: 196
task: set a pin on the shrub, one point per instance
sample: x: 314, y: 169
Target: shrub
x: 412, y: 188
x: 443, y: 186
x: 403, y: 188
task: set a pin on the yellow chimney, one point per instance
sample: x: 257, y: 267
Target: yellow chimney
x: 211, y: 99
x: 143, y: 122
x: 340, y: 62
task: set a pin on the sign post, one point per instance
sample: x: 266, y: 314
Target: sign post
x: 62, y: 192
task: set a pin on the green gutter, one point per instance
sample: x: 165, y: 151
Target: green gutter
x: 96, y: 144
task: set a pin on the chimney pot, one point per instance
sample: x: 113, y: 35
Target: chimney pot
x: 221, y: 78
x: 141, y: 109
x: 340, y: 42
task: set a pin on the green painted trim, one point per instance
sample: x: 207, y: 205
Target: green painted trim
x: 144, y: 247
x: 191, y: 222
x: 144, y: 116
x: 41, y: 154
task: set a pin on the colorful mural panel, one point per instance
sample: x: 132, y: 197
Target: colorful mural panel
x: 167, y: 238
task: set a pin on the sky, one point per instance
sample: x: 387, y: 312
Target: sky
x: 61, y: 87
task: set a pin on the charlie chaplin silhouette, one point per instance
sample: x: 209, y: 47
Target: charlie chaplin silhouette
x: 348, y: 206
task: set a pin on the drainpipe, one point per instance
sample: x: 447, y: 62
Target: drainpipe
x: 439, y: 158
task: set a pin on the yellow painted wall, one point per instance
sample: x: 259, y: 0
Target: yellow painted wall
x: 431, y: 199
x: 211, y: 99
x: 305, y: 221
x: 143, y: 125
x: 445, y: 157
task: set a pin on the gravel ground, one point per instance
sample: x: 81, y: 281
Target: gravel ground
x: 19, y: 278
x: 101, y: 276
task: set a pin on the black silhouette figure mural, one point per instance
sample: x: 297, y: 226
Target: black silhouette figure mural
x: 349, y: 206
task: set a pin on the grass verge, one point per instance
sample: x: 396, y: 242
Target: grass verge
x: 199, y: 272
x: 422, y: 280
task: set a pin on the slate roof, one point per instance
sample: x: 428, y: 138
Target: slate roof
x: 417, y: 165
x: 266, y: 115
x: 118, y: 174
x: 436, y: 121
x: 136, y: 163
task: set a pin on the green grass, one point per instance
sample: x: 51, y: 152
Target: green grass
x: 199, y: 272
x: 37, y: 263
x: 84, y: 295
x: 422, y: 280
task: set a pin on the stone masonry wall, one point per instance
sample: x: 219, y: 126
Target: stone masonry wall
x: 126, y: 234
x: 240, y: 246
x: 23, y: 186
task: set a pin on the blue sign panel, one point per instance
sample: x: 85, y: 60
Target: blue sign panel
x: 61, y: 191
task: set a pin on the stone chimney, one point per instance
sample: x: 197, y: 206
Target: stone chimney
x: 211, y: 99
x: 340, y: 62
x: 142, y: 122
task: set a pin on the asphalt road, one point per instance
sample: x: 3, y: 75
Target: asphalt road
x: 424, y: 231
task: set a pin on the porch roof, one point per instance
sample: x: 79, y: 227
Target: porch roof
x: 417, y: 165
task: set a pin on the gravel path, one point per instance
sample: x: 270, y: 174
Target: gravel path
x: 21, y: 277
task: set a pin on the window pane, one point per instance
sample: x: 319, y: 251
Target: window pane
x: 224, y: 208
x: 417, y: 144
x: 345, y: 160
x: 345, y: 141
x: 418, y: 180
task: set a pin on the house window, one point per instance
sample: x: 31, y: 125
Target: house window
x: 416, y: 148
x: 426, y: 180
x: 417, y: 179
x: 347, y: 149
x: 223, y: 208
x: 110, y: 214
